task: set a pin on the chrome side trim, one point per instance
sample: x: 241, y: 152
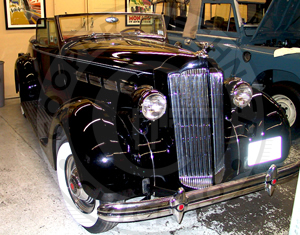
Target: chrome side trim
x: 205, y: 35
x: 185, y: 201
x: 177, y: 32
x: 62, y: 57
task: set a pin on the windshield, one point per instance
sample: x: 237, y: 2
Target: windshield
x: 144, y: 25
x: 281, y: 23
x: 252, y: 12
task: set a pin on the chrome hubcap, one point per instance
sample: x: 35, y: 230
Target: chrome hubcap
x: 289, y: 107
x: 83, y: 201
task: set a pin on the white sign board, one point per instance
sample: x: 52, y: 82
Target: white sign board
x: 295, y: 221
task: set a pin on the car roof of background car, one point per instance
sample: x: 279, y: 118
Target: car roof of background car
x: 282, y: 16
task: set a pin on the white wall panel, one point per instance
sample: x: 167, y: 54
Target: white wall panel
x: 70, y: 6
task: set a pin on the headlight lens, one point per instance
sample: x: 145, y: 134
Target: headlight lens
x: 242, y: 94
x: 154, y: 105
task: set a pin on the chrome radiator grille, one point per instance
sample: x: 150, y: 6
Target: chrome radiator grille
x: 197, y: 109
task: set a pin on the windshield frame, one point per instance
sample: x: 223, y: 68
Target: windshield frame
x: 63, y: 40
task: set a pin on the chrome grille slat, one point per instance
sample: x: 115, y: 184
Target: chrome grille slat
x: 196, y: 113
x: 218, y: 120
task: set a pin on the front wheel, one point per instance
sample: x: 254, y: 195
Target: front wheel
x: 82, y: 207
x: 289, y: 99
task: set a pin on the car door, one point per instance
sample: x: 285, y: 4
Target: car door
x: 52, y: 78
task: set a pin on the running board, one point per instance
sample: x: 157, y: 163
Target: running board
x: 39, y: 119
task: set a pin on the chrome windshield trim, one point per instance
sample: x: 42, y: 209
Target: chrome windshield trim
x: 182, y: 201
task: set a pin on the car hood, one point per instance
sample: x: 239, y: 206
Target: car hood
x: 135, y: 54
x: 281, y: 19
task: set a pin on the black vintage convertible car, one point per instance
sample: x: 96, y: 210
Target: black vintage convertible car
x: 137, y: 128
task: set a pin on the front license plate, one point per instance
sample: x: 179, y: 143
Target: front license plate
x: 264, y: 151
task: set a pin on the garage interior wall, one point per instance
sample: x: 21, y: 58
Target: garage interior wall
x: 16, y: 41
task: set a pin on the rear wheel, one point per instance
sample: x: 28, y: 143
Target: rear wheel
x: 82, y: 207
x: 289, y: 99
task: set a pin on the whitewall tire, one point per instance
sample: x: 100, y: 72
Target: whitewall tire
x: 82, y: 207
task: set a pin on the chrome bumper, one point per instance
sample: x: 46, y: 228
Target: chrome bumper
x: 185, y: 201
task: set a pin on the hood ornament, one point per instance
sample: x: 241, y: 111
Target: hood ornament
x: 205, y: 47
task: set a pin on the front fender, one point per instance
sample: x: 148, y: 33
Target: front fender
x: 262, y: 119
x: 100, y: 152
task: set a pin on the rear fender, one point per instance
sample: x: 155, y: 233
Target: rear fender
x: 26, y: 78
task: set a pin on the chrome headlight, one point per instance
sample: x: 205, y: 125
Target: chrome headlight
x: 153, y: 105
x: 242, y: 94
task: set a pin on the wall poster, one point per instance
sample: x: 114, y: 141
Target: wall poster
x: 140, y: 6
x: 23, y: 14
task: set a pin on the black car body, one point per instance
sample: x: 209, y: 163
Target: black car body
x: 121, y: 115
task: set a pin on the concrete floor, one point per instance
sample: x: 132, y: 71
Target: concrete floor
x: 31, y: 203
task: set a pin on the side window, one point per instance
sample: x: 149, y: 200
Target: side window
x: 218, y: 17
x: 53, y: 39
x: 176, y: 15
x: 46, y: 34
